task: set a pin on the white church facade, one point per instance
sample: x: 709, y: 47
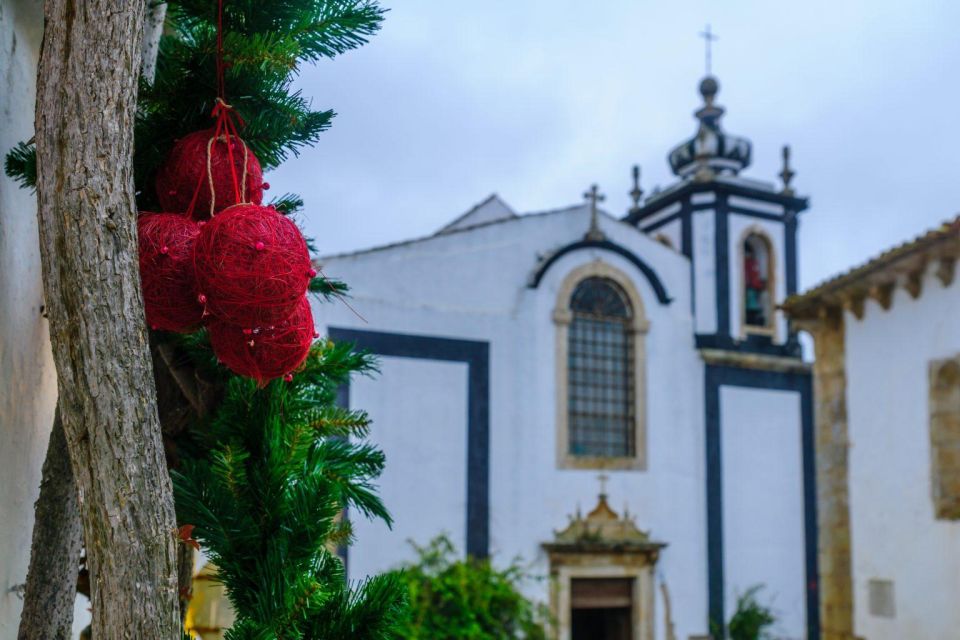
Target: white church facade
x: 521, y: 356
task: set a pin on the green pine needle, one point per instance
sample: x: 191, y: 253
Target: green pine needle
x: 21, y: 164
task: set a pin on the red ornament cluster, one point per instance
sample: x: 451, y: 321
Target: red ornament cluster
x: 252, y: 265
x: 166, y: 242
x: 266, y: 352
x: 243, y: 273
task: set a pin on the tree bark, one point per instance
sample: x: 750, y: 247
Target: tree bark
x: 52, y: 578
x: 86, y: 101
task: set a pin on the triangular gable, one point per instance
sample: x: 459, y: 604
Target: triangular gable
x: 490, y: 210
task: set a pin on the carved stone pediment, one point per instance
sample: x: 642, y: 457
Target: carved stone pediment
x: 603, y: 530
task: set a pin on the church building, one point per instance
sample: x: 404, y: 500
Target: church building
x: 531, y: 361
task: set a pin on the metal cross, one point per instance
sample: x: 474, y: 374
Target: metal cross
x: 709, y: 37
x: 594, y: 196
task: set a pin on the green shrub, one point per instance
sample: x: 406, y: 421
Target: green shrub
x: 751, y: 618
x: 466, y: 599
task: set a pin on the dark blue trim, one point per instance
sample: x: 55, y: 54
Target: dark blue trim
x: 717, y: 376
x: 790, y: 252
x: 686, y: 242
x: 476, y: 354
x: 753, y: 213
x: 792, y: 203
x: 606, y: 245
x: 722, y: 255
x: 686, y: 247
x: 704, y: 206
x: 791, y: 220
x: 715, y: 579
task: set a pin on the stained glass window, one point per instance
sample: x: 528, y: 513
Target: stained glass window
x: 600, y: 387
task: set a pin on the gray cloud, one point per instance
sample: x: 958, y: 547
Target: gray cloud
x: 536, y: 100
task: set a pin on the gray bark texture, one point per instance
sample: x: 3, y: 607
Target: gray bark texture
x: 55, y: 558
x: 86, y: 101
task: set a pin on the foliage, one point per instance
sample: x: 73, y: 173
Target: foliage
x: 21, y: 164
x: 262, y: 483
x: 751, y: 619
x: 456, y: 599
x: 264, y: 45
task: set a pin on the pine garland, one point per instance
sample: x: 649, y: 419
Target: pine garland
x: 264, y: 481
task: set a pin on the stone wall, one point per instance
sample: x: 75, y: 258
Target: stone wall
x: 833, y: 501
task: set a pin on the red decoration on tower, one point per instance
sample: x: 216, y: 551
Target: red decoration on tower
x: 266, y: 353
x: 252, y: 266
x: 208, y: 171
x: 166, y: 243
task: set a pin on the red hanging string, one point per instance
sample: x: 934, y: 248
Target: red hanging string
x: 227, y: 120
x: 225, y: 130
x: 221, y: 110
x: 340, y: 295
x: 221, y: 91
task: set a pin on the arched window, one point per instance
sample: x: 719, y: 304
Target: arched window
x: 600, y: 371
x: 757, y: 283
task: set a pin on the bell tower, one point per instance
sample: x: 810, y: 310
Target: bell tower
x: 740, y: 235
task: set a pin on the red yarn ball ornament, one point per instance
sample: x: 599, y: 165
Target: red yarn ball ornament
x: 252, y: 266
x: 199, y: 159
x: 266, y: 353
x: 166, y: 242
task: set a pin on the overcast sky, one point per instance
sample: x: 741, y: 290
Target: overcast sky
x: 537, y: 99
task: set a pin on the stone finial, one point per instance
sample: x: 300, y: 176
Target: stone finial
x: 636, y: 193
x: 786, y: 173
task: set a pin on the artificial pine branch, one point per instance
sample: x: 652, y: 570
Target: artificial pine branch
x: 265, y: 491
x: 21, y: 164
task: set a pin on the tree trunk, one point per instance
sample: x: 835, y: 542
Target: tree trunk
x: 55, y: 557
x: 86, y: 101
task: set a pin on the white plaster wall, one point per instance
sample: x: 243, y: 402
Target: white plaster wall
x: 705, y: 269
x: 27, y: 377
x: 738, y: 226
x: 893, y: 532
x: 472, y: 285
x: 763, y: 526
x: 419, y: 412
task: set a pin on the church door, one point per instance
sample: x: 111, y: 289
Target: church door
x: 601, y: 609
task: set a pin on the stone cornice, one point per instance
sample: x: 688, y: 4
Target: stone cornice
x: 904, y: 265
x: 747, y: 360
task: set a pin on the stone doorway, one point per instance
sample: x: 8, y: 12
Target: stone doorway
x: 601, y: 609
x: 601, y: 569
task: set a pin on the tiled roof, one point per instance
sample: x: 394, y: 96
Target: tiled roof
x: 885, y: 270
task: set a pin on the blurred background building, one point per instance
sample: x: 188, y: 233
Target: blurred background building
x: 523, y: 355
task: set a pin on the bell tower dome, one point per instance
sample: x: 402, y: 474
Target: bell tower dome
x: 711, y: 151
x: 739, y: 233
